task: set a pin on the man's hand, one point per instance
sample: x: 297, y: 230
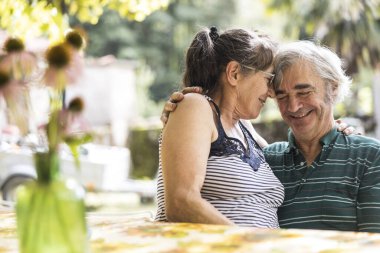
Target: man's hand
x: 175, y: 98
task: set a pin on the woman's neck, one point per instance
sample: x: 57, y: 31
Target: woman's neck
x: 227, y: 105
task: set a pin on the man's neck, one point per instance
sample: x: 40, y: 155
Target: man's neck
x: 310, y: 148
x: 310, y: 151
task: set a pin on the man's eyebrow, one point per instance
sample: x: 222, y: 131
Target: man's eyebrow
x: 299, y: 86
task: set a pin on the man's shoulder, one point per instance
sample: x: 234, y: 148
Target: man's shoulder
x: 359, y: 140
x: 357, y: 146
x: 277, y: 147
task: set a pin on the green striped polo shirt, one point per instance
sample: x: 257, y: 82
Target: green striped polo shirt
x: 340, y: 190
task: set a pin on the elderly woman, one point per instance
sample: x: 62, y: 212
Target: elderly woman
x: 212, y: 169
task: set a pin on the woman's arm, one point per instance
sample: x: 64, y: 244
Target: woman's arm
x: 186, y: 144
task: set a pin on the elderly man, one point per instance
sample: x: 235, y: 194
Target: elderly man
x: 332, y: 181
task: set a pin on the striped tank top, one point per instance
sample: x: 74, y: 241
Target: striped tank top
x: 239, y: 182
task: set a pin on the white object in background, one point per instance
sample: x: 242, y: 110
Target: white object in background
x: 100, y: 169
x: 109, y: 93
x: 103, y: 168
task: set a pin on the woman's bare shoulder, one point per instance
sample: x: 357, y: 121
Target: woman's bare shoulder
x: 193, y: 116
x: 194, y: 103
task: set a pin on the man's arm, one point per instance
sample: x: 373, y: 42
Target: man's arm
x: 368, y: 202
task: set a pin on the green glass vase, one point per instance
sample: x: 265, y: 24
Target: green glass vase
x: 50, y: 211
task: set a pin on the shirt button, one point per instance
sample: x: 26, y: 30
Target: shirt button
x: 302, y: 163
x: 303, y: 180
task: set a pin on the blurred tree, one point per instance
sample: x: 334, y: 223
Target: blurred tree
x: 160, y: 40
x: 350, y: 27
x: 24, y: 18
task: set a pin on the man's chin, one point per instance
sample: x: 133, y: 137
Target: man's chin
x: 300, y: 131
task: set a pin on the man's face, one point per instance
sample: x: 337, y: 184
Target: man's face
x: 302, y: 101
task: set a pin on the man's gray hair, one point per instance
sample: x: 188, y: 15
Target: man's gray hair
x: 326, y: 64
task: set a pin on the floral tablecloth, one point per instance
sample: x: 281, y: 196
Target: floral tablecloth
x: 126, y: 233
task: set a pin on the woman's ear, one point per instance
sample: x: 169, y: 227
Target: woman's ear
x: 233, y: 72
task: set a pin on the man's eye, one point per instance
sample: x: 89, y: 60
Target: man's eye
x: 281, y: 97
x: 304, y: 94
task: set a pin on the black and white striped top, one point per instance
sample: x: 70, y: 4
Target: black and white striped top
x: 239, y: 182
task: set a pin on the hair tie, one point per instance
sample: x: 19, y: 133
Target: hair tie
x: 214, y: 33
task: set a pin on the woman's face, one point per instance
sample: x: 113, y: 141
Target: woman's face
x: 252, y: 91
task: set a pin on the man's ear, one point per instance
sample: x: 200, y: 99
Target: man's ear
x: 233, y: 72
x: 335, y: 91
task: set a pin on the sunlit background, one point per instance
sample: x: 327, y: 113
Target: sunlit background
x: 134, y: 61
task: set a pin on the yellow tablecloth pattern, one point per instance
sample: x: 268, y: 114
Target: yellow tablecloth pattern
x: 125, y: 233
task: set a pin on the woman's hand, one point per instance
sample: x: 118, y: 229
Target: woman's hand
x: 345, y: 128
x: 175, y: 98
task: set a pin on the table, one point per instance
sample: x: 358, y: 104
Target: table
x: 130, y: 233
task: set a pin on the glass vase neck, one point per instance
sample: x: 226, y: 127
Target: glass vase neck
x: 47, y: 166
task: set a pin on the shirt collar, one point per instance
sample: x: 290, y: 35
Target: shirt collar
x: 325, y: 140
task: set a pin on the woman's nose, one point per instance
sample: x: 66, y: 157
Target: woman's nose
x: 271, y: 93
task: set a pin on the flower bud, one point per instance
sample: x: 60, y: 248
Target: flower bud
x: 58, y: 56
x: 12, y: 45
x: 74, y: 39
x: 76, y: 105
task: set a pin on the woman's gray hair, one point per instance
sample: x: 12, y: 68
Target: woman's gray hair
x: 324, y: 62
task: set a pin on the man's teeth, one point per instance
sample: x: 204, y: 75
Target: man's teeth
x: 300, y: 116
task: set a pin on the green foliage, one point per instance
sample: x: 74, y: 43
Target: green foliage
x: 160, y: 40
x: 143, y: 144
x: 24, y: 18
x: 351, y: 28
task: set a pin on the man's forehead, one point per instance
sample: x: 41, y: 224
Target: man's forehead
x: 300, y: 75
x: 297, y: 86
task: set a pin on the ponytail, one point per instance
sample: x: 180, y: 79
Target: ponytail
x: 201, y: 61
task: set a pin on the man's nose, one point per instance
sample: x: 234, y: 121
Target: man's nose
x: 294, y: 104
